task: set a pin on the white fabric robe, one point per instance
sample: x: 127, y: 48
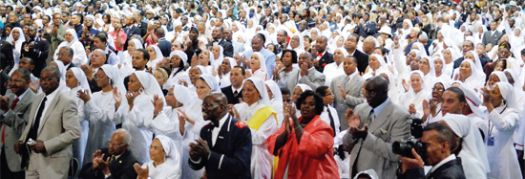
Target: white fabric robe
x: 170, y: 169
x: 138, y: 122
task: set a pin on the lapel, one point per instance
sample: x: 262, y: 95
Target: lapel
x: 223, y: 132
x: 439, y: 170
x: 49, y: 110
x: 382, y: 117
x: 25, y: 101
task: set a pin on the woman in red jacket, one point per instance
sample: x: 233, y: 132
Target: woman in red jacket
x: 304, y: 145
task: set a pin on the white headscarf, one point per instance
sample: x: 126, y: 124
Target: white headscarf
x: 476, y: 78
x: 181, y: 55
x: 149, y: 83
x: 81, y: 78
x: 501, y: 76
x: 304, y: 87
x: 17, y: 50
x: 215, y: 63
x: 507, y: 92
x: 138, y: 44
x: 261, y: 89
x: 113, y: 73
x: 473, y: 149
x: 277, y: 96
x: 211, y: 82
x: 473, y: 100
x: 170, y: 149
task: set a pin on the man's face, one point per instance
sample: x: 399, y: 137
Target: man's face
x: 435, y: 149
x: 75, y: 20
x: 211, y: 108
x: 26, y: 64
x: 304, y: 62
x: 216, y: 33
x: 281, y: 37
x: 257, y: 44
x: 97, y: 43
x: 349, y: 65
x: 451, y: 103
x: 350, y: 43
x: 320, y: 44
x: 48, y: 82
x: 116, y: 145
x: 97, y: 59
x: 64, y: 56
x: 17, y: 83
x: 138, y: 61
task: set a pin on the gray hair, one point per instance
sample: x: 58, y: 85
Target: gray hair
x: 55, y: 72
x: 125, y: 135
x: 26, y: 75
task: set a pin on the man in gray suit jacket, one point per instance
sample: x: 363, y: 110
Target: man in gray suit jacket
x: 373, y: 127
x: 52, y: 127
x: 14, y: 112
x: 492, y: 36
x: 347, y: 89
x: 305, y: 74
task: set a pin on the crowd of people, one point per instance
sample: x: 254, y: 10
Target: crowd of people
x: 262, y: 89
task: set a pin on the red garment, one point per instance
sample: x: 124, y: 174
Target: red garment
x: 123, y: 38
x: 313, y: 157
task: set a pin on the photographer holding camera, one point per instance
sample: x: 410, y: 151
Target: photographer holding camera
x: 439, y: 143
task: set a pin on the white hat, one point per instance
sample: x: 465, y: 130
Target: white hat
x: 386, y: 30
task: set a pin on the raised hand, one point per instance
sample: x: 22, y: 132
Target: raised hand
x: 158, y: 105
x: 117, y: 97
x: 83, y: 95
x: 142, y: 173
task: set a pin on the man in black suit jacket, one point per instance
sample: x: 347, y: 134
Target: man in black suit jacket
x: 322, y: 58
x: 217, y: 35
x: 440, y: 144
x: 234, y: 92
x: 225, y: 146
x: 351, y: 47
x: 115, y: 161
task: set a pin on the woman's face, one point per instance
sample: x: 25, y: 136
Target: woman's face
x: 294, y: 43
x: 216, y: 51
x: 131, y: 48
x: 102, y: 79
x: 416, y: 82
x: 255, y: 63
x: 225, y: 65
x: 493, y: 79
x: 424, y: 66
x: 438, y: 65
x: 71, y: 80
x: 296, y: 93
x: 204, y: 58
x: 329, y: 97
x: 373, y: 63
x: 175, y: 61
x: 287, y: 59
x: 250, y: 94
x: 500, y: 66
x: 308, y: 108
x: 152, y: 53
x: 176, y: 46
x: 134, y: 84
x: 447, y: 55
x: 16, y: 34
x: 156, y: 151
x: 160, y: 77
x: 437, y: 91
x: 338, y: 55
x: 465, y: 70
x: 495, y: 96
x: 203, y: 89
x: 195, y: 73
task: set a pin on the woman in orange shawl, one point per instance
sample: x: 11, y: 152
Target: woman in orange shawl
x: 304, y: 145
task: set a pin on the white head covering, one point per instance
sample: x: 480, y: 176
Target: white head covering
x: 276, y: 91
x: 149, y: 83
x: 216, y: 62
x: 370, y: 172
x: 181, y: 55
x: 73, y: 34
x: 501, y: 76
x: 158, y: 53
x: 138, y: 44
x: 113, y: 73
x: 211, y: 82
x: 261, y: 89
x: 476, y: 78
x: 473, y: 100
x: 169, y: 146
x: 473, y: 149
x: 21, y: 38
x: 507, y: 92
x: 81, y: 78
x: 304, y: 87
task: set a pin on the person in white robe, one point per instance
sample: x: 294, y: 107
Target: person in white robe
x: 256, y: 111
x: 469, y: 75
x: 276, y: 99
x: 125, y: 57
x: 155, y: 56
x: 16, y: 41
x: 165, y: 160
x: 79, y: 53
x: 76, y: 81
x: 178, y: 63
x: 502, y: 121
x: 335, y: 68
x: 473, y: 152
x: 412, y: 101
x: 225, y: 70
x: 104, y: 108
x: 376, y: 66
x: 216, y: 56
x: 256, y: 68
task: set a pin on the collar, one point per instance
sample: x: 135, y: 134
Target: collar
x: 379, y: 109
x: 443, y: 162
x: 22, y: 95
x: 353, y: 52
x: 222, y: 121
x: 238, y: 89
x: 351, y: 75
x: 52, y: 94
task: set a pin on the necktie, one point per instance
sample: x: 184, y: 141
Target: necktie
x: 34, y: 129
x: 13, y: 105
x: 332, y: 124
x: 354, y: 167
x: 235, y: 94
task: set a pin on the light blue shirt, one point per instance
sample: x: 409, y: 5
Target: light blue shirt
x: 269, y: 60
x: 379, y: 109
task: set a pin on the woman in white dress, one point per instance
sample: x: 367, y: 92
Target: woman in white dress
x: 142, y: 88
x: 216, y: 56
x: 276, y: 99
x: 473, y: 152
x: 262, y: 120
x: 155, y: 56
x: 76, y: 81
x: 258, y: 71
x: 178, y: 63
x: 502, y: 120
x: 125, y: 56
x: 224, y: 71
x: 165, y: 160
x: 16, y: 38
x: 412, y: 101
x: 376, y: 66
x: 104, y: 108
x: 469, y: 75
x: 71, y: 40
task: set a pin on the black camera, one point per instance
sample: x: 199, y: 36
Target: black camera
x: 404, y: 148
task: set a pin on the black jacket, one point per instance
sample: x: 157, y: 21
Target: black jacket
x: 121, y: 168
x: 325, y: 60
x: 362, y: 60
x: 450, y: 170
x: 230, y: 156
x: 232, y: 99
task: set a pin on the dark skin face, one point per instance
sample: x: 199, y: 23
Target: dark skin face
x: 48, y: 82
x: 116, y: 145
x: 138, y: 61
x: 372, y: 94
x: 18, y: 84
x: 213, y: 108
x: 451, y: 103
x: 308, y: 108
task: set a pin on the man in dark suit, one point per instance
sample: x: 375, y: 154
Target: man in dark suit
x: 322, y: 58
x: 163, y: 44
x: 36, y: 48
x: 225, y: 146
x: 14, y: 112
x: 227, y: 46
x: 351, y: 47
x: 492, y: 36
x: 115, y: 161
x: 234, y: 92
x: 65, y: 54
x: 440, y: 142
x: 468, y: 46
